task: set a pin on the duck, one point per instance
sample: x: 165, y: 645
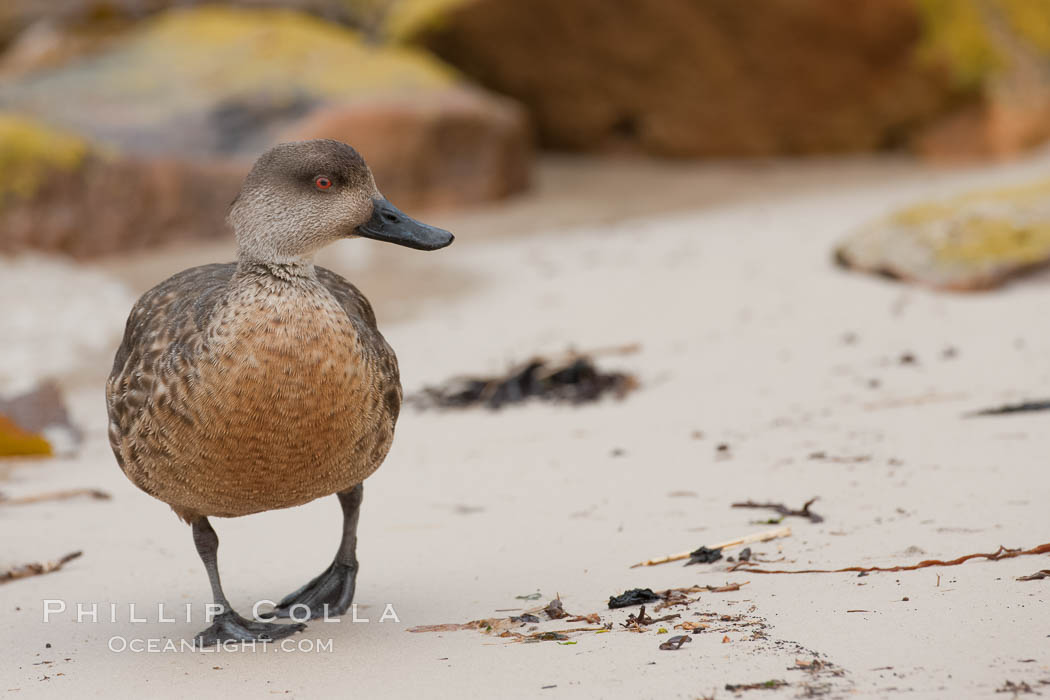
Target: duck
x: 265, y: 383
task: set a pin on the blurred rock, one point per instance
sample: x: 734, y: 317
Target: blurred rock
x: 16, y: 442
x: 17, y: 15
x: 169, y: 116
x: 455, y: 147
x: 952, y: 78
x: 999, y: 55
x: 687, y: 78
x: 216, y: 80
x: 37, y: 422
x: 60, y: 194
x: 975, y: 241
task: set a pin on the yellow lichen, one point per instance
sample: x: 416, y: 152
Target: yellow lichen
x: 1016, y: 196
x: 996, y: 240
x: 15, y: 442
x: 206, y: 50
x: 1030, y: 19
x: 1001, y: 225
x: 29, y: 152
x: 407, y: 19
x: 956, y: 35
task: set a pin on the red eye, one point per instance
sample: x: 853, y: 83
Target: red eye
x: 322, y: 183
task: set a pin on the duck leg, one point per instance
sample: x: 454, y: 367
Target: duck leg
x: 332, y: 592
x: 228, y: 625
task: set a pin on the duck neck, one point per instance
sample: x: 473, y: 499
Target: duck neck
x: 289, y: 270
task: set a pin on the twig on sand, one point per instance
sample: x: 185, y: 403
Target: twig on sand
x: 780, y: 508
x: 36, y: 569
x: 1001, y: 553
x: 55, y: 496
x: 763, y: 536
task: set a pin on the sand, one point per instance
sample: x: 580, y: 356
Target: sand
x: 748, y: 335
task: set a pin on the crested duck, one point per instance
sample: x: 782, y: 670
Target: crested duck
x: 265, y: 383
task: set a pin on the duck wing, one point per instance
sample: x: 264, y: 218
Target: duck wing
x: 166, y: 329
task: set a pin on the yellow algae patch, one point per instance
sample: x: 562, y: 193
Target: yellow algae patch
x: 29, y: 152
x: 15, y: 442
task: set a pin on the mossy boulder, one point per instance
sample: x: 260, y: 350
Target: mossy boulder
x: 974, y: 241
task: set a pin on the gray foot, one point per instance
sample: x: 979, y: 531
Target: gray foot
x: 334, y: 588
x: 231, y: 627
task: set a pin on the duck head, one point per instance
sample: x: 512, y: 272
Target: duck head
x: 301, y: 196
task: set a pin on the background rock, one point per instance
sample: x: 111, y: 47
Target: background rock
x: 58, y: 193
x: 456, y: 147
x: 688, y: 78
x: 145, y: 137
x: 42, y: 413
x: 975, y: 241
x: 999, y: 51
x: 952, y: 78
x: 215, y: 80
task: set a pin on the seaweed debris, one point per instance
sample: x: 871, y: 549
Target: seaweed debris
x: 1023, y: 407
x: 704, y: 555
x: 574, y: 379
x: 635, y: 596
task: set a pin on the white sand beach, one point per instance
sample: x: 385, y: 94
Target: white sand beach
x: 749, y: 337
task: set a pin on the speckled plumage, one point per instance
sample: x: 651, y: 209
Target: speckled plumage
x: 238, y: 390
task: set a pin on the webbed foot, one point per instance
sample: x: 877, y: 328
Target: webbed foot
x: 330, y: 593
x: 231, y: 627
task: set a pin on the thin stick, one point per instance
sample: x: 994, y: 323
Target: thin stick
x: 36, y: 569
x: 55, y: 496
x: 764, y: 536
x: 1001, y: 553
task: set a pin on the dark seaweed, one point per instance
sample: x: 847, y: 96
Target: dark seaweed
x: 575, y: 381
x: 635, y: 596
x: 704, y: 556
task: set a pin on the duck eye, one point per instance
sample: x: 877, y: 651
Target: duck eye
x: 322, y: 183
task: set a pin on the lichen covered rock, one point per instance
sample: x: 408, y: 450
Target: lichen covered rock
x: 997, y: 53
x: 171, y: 112
x: 214, y: 79
x: 974, y: 241
x: 59, y: 193
x: 30, y: 153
